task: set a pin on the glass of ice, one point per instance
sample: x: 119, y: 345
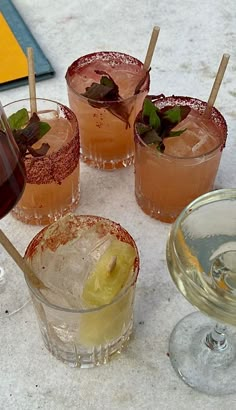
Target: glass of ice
x: 52, y: 180
x: 165, y: 182
x: 106, y: 124
x: 89, y: 267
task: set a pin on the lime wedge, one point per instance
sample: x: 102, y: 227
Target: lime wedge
x: 110, y: 274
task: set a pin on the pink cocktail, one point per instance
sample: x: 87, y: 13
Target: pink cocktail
x: 106, y: 123
x: 52, y: 180
x: 165, y: 182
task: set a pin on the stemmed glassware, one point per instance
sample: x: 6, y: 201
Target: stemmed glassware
x: 12, y: 182
x: 201, y: 258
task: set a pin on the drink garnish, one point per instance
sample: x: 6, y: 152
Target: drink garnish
x: 27, y: 131
x: 108, y: 91
x: 154, y: 124
x: 110, y: 274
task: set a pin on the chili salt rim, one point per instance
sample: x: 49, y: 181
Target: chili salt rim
x: 162, y: 101
x: 114, y: 57
x: 55, y: 167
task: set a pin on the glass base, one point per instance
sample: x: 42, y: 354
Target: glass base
x: 39, y: 217
x: 204, y: 369
x: 13, y: 293
x: 75, y: 355
x: 108, y: 165
x: 153, y: 211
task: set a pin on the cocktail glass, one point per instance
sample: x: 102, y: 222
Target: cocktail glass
x: 201, y: 257
x: 79, y: 334
x: 52, y: 187
x: 106, y: 127
x: 165, y: 182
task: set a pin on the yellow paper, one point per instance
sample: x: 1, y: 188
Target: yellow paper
x: 13, y: 60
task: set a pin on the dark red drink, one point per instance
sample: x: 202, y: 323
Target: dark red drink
x: 12, y: 174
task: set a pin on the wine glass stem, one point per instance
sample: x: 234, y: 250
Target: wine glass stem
x: 216, y: 340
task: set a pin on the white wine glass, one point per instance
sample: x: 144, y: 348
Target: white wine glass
x: 201, y: 258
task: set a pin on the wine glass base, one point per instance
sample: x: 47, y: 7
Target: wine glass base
x: 14, y: 293
x: 206, y: 370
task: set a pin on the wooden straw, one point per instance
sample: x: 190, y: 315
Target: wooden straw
x: 13, y: 252
x: 151, y: 47
x: 217, y: 83
x: 31, y: 76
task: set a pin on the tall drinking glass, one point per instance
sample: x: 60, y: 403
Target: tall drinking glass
x: 201, y: 257
x: 13, y: 295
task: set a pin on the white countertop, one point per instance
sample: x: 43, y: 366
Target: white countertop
x: 193, y: 37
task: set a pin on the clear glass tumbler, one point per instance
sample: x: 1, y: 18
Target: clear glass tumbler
x: 106, y: 127
x: 80, y: 336
x: 52, y: 180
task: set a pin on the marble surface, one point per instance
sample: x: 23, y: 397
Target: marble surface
x: 193, y: 37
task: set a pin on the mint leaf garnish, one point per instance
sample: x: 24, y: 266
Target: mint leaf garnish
x: 151, y: 137
x: 27, y: 131
x: 142, y: 128
x: 176, y: 113
x: 176, y: 133
x: 148, y: 108
x: 154, y: 120
x: 44, y: 127
x: 97, y: 92
x: 105, y: 92
x: 173, y: 114
x: 107, y: 81
x: 156, y: 124
x: 19, y: 119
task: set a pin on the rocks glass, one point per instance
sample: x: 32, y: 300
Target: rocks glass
x: 106, y: 127
x: 79, y: 334
x: 166, y: 183
x: 52, y: 180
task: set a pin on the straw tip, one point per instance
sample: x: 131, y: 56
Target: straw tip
x: 226, y: 56
x: 156, y: 28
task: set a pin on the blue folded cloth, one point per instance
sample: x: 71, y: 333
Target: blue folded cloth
x: 43, y: 68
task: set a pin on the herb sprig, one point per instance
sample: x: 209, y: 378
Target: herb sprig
x: 154, y: 124
x: 100, y: 94
x: 27, y: 131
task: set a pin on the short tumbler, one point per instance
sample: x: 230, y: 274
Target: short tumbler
x: 165, y: 182
x: 79, y: 336
x: 106, y: 126
x: 52, y: 180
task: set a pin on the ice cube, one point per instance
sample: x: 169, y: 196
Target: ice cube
x: 182, y: 146
x: 66, y: 270
x: 201, y: 136
x: 47, y: 115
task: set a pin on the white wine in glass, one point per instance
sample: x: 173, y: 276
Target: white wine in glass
x: 201, y: 258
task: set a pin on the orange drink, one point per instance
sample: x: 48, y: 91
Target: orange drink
x: 106, y: 119
x: 52, y: 180
x: 165, y: 182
